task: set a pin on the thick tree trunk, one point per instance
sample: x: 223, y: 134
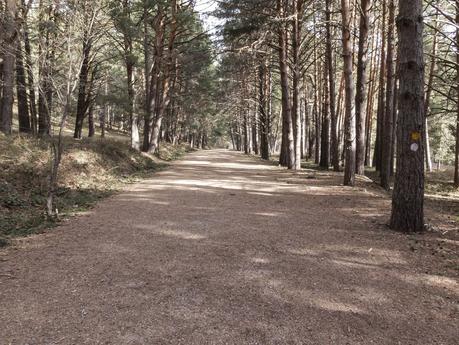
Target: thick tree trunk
x: 387, y: 133
x: 361, y: 93
x: 350, y: 143
x: 408, y: 195
x: 288, y: 149
x: 9, y: 54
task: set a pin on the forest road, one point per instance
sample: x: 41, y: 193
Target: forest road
x: 224, y: 249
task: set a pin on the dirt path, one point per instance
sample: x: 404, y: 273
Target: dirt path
x: 222, y: 249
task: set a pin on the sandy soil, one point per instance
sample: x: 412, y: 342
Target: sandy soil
x: 224, y: 249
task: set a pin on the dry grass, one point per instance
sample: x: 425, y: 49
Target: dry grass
x: 91, y: 169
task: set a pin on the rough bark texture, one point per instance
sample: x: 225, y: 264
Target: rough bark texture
x: 30, y: 76
x: 9, y: 47
x: 349, y: 127
x: 288, y: 149
x: 361, y: 90
x: 387, y: 132
x: 408, y: 195
x: 456, y: 161
x: 263, y: 115
x: 334, y: 143
x: 82, y: 104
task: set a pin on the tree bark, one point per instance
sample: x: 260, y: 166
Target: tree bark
x: 296, y: 118
x: 386, y: 156
x: 408, y: 196
x: 361, y: 89
x: 325, y: 133
x: 9, y: 54
x: 382, y: 87
x: 350, y: 143
x: 288, y: 150
x: 263, y: 115
x: 21, y: 91
x: 82, y: 106
x: 334, y: 143
x: 456, y: 158
x: 29, y: 69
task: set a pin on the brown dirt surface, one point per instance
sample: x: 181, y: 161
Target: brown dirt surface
x: 224, y: 249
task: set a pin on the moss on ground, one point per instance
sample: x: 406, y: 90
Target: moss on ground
x: 91, y: 170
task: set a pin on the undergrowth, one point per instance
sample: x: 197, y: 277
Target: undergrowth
x: 91, y: 170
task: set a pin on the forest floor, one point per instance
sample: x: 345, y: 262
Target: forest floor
x: 91, y: 170
x: 224, y: 249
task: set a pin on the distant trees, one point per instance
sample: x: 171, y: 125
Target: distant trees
x: 319, y: 110
x: 283, y: 83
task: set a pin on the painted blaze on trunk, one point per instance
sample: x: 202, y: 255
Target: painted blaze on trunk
x: 408, y: 196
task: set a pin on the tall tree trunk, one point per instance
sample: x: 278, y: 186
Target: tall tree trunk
x: 433, y: 66
x: 456, y: 160
x: 325, y: 133
x: 29, y: 69
x: 361, y: 93
x: 408, y: 195
x: 334, y: 143
x: 46, y: 60
x: 149, y: 99
x: 129, y: 60
x: 21, y: 91
x: 9, y: 54
x: 382, y: 87
x: 296, y: 118
x: 263, y: 115
x: 82, y: 106
x: 386, y: 156
x: 288, y: 149
x: 350, y: 144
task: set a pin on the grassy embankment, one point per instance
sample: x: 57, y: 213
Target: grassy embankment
x: 90, y: 171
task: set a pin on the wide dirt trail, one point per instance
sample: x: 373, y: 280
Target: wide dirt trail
x: 224, y: 249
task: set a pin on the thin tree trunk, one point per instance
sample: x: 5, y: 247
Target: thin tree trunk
x: 386, y: 156
x: 296, y: 119
x: 380, y: 112
x: 361, y: 93
x: 334, y: 143
x: 29, y: 69
x: 325, y: 133
x: 350, y: 143
x: 21, y: 91
x: 456, y: 158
